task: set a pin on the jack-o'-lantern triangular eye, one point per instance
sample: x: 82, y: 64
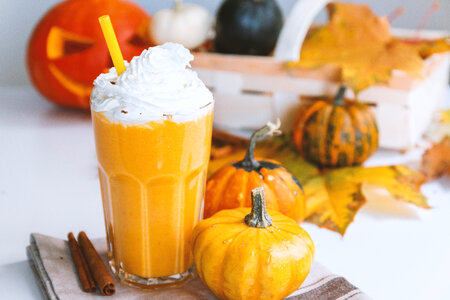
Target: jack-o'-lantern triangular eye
x: 61, y: 43
x: 138, y: 40
x: 141, y: 37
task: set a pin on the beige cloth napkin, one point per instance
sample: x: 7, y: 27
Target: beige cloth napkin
x: 52, y: 265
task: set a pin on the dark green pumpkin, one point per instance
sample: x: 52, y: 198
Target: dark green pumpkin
x: 247, y: 26
x: 335, y: 133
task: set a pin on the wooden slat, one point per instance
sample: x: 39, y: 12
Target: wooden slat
x: 265, y: 66
x: 260, y: 65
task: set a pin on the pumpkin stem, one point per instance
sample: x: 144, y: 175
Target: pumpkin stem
x: 339, y: 99
x: 258, y: 217
x: 261, y: 134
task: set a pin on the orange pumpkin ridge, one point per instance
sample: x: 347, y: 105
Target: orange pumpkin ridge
x: 230, y: 186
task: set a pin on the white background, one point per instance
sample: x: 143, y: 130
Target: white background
x: 17, y: 18
x: 49, y: 183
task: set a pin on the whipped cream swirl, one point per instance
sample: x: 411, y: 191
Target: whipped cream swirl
x: 159, y: 82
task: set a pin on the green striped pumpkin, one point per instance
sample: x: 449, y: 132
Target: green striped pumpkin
x: 335, y: 133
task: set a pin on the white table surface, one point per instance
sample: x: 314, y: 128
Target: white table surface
x: 49, y: 184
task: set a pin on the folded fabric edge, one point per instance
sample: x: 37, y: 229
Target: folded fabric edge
x: 324, y: 284
x: 312, y: 286
x: 330, y: 287
x: 39, y: 271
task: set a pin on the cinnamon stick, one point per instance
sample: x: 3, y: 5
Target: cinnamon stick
x: 87, y: 282
x: 219, y: 152
x: 102, y: 278
x: 226, y: 137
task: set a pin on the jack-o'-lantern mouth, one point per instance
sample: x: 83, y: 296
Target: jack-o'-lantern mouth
x: 74, y: 87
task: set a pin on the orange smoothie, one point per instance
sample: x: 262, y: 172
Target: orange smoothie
x: 152, y: 126
x: 152, y: 179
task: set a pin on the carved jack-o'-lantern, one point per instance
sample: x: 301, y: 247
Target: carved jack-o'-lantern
x: 67, y: 51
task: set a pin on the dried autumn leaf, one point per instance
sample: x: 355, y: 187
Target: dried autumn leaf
x: 436, y: 160
x: 426, y: 48
x: 279, y: 149
x: 335, y: 196
x: 282, y: 150
x: 445, y: 116
x: 332, y: 202
x: 360, y: 43
x: 378, y: 68
x: 400, y: 181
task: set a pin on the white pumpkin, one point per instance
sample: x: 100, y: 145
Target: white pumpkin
x: 186, y: 23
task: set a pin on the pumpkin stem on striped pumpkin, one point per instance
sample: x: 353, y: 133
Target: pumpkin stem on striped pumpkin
x: 261, y: 134
x: 339, y: 99
x: 258, y: 217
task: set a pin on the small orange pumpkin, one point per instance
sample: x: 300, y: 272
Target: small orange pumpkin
x: 336, y: 134
x: 230, y: 186
x: 252, y: 254
x: 67, y: 51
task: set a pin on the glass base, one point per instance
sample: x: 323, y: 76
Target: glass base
x: 152, y: 282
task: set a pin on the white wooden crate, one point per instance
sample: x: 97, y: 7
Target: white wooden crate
x: 251, y: 90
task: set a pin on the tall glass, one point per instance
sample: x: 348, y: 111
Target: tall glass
x: 152, y: 179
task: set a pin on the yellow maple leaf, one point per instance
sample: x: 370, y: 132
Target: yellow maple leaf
x: 332, y: 202
x: 360, y: 43
x: 333, y: 197
x: 427, y: 47
x: 400, y: 181
x: 280, y: 149
x: 445, y: 116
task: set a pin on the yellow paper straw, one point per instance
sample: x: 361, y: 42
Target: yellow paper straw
x: 111, y: 42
